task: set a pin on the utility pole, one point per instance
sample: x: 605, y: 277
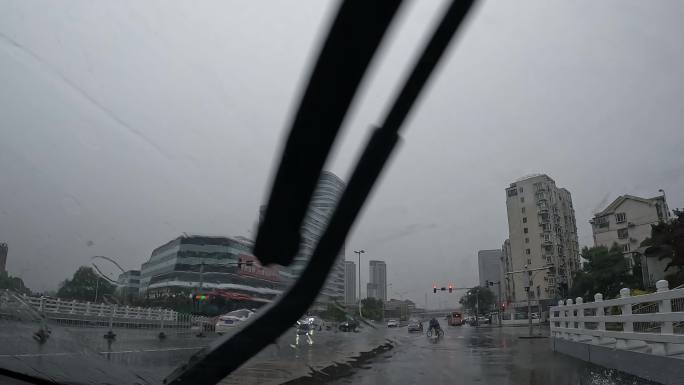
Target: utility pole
x: 498, y: 305
x: 359, y: 252
x: 201, y: 277
x: 498, y: 299
x: 528, y: 286
x: 199, y: 290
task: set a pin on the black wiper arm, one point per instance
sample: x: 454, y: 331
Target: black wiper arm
x: 351, y: 43
x: 214, y: 363
x: 427, y: 61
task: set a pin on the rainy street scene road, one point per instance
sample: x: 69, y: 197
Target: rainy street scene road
x: 474, y: 355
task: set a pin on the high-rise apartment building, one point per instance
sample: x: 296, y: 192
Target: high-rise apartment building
x: 542, y: 235
x: 349, y: 282
x: 377, y: 285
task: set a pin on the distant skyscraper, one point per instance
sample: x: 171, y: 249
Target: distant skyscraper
x: 377, y: 285
x: 349, y: 282
x: 542, y: 232
x: 323, y: 201
x: 489, y: 266
x: 3, y: 257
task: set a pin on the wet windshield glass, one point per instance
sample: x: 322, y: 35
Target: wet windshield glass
x: 525, y: 231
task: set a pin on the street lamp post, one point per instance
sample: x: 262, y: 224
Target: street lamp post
x: 359, y: 252
x: 387, y: 285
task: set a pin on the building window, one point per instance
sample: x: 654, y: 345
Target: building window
x: 522, y: 199
x: 525, y: 230
x: 523, y: 210
x: 601, y: 221
x: 529, y: 261
x: 625, y: 247
x: 512, y: 192
x: 623, y: 233
x: 524, y: 219
x: 520, y: 190
x: 527, y: 240
x: 620, y: 217
x: 527, y: 251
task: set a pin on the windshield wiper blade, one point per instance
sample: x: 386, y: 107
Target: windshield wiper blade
x: 212, y: 364
x: 351, y: 44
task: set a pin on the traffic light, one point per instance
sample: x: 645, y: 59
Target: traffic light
x: 451, y: 288
x: 434, y: 288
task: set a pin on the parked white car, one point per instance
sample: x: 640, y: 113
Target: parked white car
x: 230, y: 320
x: 392, y: 323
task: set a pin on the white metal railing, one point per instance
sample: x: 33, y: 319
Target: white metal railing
x: 78, y: 313
x: 651, y: 323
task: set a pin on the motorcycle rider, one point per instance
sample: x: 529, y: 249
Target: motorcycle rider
x: 434, y: 324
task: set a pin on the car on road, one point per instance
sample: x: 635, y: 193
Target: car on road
x: 415, y: 325
x: 230, y: 320
x: 455, y: 319
x: 392, y: 323
x: 349, y: 326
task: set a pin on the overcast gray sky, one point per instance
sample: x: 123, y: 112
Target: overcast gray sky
x: 124, y: 124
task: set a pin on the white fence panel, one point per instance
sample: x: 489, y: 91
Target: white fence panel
x: 652, y: 323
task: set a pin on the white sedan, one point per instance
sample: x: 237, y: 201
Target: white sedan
x: 392, y: 323
x: 230, y: 320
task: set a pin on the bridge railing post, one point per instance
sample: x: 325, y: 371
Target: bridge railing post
x: 665, y: 306
x: 627, y: 326
x: 570, y: 318
x: 601, y: 314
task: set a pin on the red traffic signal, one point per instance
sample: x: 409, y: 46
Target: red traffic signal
x: 434, y: 288
x: 451, y: 288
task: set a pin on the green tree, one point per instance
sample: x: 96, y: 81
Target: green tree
x: 606, y: 271
x: 667, y: 242
x: 84, y: 286
x: 478, y: 298
x: 371, y: 308
x: 334, y: 312
x: 13, y: 283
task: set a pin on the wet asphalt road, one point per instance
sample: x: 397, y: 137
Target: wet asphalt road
x: 468, y: 355
x: 465, y: 355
